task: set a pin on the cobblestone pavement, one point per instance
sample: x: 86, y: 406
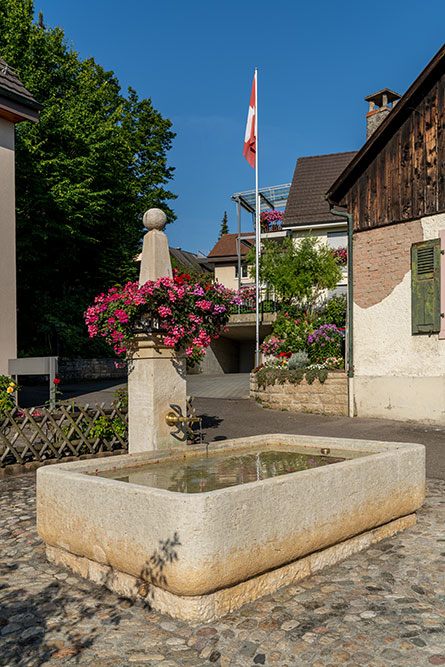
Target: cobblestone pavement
x: 385, y: 606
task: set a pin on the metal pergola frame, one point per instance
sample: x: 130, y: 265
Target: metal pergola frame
x: 270, y: 198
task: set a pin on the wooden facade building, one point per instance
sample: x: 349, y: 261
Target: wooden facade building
x: 394, y: 189
x: 399, y: 174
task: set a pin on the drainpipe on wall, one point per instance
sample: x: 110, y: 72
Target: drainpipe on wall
x: 348, y: 217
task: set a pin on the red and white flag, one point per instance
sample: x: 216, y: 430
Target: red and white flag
x: 249, y: 149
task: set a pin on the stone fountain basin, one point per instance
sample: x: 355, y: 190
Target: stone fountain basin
x: 229, y: 535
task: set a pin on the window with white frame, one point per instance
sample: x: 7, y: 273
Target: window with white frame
x: 337, y: 240
x: 244, y: 271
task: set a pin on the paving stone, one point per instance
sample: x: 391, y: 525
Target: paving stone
x: 376, y: 609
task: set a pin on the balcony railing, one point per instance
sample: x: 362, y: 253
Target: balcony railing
x: 267, y: 302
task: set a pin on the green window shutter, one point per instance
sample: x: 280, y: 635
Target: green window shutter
x: 425, y: 287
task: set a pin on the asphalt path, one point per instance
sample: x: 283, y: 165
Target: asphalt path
x: 226, y: 419
x: 237, y: 417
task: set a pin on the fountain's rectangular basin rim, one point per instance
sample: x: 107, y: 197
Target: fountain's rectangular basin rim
x: 135, y: 461
x: 232, y: 534
x: 141, y: 460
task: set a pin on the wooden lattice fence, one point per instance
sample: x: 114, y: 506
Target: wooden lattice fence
x: 64, y: 430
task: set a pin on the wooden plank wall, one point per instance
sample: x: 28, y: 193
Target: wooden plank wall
x: 406, y: 179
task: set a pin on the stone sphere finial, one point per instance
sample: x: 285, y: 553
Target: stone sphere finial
x: 154, y: 218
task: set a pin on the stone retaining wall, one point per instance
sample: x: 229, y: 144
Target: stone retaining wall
x: 91, y: 369
x: 330, y: 398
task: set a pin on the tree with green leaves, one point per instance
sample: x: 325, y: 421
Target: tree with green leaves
x: 224, y: 226
x: 85, y: 174
x: 298, y: 271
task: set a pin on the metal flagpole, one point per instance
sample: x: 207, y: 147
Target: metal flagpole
x: 238, y: 247
x: 257, y: 233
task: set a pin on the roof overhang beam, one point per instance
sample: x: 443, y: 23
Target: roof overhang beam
x: 267, y: 201
x: 242, y: 202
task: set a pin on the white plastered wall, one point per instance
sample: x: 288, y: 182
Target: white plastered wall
x: 8, y: 327
x: 398, y: 375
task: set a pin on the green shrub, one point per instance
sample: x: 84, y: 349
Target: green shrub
x: 121, y: 396
x: 268, y: 376
x: 295, y: 376
x: 322, y: 375
x: 291, y: 332
x: 311, y: 374
x: 106, y: 428
x: 298, y: 359
x: 334, y: 312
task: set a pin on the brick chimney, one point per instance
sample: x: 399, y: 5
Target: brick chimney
x: 380, y: 104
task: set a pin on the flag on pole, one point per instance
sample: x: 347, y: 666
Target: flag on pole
x: 249, y: 150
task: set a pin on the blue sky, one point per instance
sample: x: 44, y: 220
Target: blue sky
x: 195, y: 60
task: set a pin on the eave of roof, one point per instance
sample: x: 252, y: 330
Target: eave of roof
x: 12, y: 88
x: 385, y: 131
x: 16, y: 102
x: 29, y: 102
x: 16, y: 112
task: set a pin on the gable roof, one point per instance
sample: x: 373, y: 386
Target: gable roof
x: 397, y: 116
x: 190, y: 261
x: 225, y: 247
x: 16, y: 101
x: 312, y: 177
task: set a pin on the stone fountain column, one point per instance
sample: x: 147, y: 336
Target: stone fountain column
x: 156, y: 373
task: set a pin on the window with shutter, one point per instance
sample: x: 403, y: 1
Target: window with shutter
x: 425, y: 287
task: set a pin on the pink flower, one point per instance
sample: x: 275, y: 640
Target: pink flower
x: 164, y: 311
x: 204, y: 304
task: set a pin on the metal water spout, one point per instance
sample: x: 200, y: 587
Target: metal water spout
x: 175, y: 418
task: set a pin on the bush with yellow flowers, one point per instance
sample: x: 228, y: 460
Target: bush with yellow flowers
x: 8, y: 389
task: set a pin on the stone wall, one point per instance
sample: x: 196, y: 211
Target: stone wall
x: 72, y: 370
x: 330, y: 397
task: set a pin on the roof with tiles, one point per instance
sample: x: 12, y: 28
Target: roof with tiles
x: 226, y: 246
x: 312, y: 178
x: 10, y: 85
x: 190, y: 261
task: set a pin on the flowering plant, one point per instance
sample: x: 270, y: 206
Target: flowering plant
x: 271, y: 345
x: 329, y: 363
x: 325, y: 342
x: 279, y: 362
x: 271, y: 221
x: 7, y: 391
x: 189, y: 313
x: 290, y: 333
x: 247, y: 295
x: 340, y: 255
